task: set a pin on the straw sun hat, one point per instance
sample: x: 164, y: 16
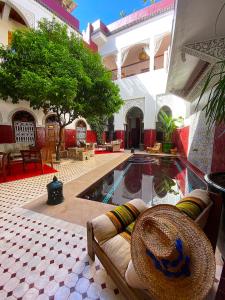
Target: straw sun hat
x: 172, y: 255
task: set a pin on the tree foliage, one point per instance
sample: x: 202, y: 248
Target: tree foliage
x: 55, y: 70
x: 98, y: 124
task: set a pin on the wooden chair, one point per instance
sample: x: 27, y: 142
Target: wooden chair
x: 211, y: 230
x: 46, y: 157
x: 41, y: 157
x: 3, y: 164
x: 157, y: 148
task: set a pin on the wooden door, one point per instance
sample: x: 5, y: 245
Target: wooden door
x: 52, y: 136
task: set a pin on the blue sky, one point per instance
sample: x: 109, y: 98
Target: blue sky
x: 107, y: 11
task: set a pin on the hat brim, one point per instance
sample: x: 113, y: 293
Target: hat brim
x: 195, y: 286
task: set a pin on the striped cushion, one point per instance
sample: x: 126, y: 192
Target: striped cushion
x: 126, y: 234
x: 191, y: 206
x: 122, y: 216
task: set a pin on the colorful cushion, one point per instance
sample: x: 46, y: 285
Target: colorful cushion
x: 108, y: 225
x: 123, y: 215
x: 196, y: 205
x: 126, y: 234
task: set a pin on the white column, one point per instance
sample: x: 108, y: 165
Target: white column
x: 152, y: 53
x: 6, y: 12
x: 118, y: 64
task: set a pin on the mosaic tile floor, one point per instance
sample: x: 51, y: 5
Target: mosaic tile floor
x: 43, y: 257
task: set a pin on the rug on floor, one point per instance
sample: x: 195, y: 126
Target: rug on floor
x: 16, y: 171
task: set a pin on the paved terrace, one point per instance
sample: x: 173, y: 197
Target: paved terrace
x: 44, y: 257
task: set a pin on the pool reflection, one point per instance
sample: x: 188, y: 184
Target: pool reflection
x: 153, y: 179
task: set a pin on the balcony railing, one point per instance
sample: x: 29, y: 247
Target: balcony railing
x: 135, y: 68
x: 140, y: 67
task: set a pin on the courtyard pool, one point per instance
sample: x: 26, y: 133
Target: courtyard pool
x: 154, y: 179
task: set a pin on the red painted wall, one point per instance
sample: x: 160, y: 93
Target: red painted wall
x: 218, y: 157
x: 40, y: 137
x: 91, y: 136
x: 120, y: 136
x: 6, y: 134
x: 149, y: 137
x: 180, y: 139
x: 70, y: 137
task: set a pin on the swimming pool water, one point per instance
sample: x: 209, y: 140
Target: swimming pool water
x: 153, y: 179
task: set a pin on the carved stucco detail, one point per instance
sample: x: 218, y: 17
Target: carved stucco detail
x: 195, y: 92
x: 29, y: 16
x: 210, y: 51
x: 140, y: 103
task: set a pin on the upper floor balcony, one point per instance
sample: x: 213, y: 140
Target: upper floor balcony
x: 139, y: 58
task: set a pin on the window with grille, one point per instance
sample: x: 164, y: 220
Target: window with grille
x: 24, y: 132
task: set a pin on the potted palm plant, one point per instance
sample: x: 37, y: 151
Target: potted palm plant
x: 168, y: 126
x: 215, y: 114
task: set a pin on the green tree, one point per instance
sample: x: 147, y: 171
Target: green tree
x: 98, y: 124
x: 56, y: 71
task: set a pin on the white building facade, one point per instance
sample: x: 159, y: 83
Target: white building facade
x: 136, y: 50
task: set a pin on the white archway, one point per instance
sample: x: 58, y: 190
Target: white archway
x: 12, y: 113
x: 28, y: 17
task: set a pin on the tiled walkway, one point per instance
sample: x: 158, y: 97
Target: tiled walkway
x: 46, y: 258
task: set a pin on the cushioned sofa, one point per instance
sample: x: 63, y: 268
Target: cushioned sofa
x: 109, y: 236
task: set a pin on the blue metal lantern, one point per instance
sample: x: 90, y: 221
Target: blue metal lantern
x: 55, y: 192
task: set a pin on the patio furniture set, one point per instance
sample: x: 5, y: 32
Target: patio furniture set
x: 84, y: 152
x: 12, y: 154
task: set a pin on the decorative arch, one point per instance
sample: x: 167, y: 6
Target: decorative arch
x: 14, y: 111
x: 135, y: 59
x: 26, y: 15
x: 166, y: 109
x: 129, y: 104
x: 81, y: 119
x: 24, y: 128
x: 134, y: 127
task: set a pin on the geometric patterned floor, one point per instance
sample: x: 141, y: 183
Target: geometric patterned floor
x: 43, y: 257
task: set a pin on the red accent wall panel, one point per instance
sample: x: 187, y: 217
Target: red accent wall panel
x: 180, y: 139
x: 149, y: 137
x: 91, y: 136
x: 218, y: 157
x: 120, y: 136
x: 40, y: 137
x: 6, y: 134
x: 70, y: 137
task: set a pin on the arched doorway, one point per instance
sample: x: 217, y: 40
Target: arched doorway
x: 52, y: 132
x: 81, y: 131
x: 134, y: 128
x: 159, y: 133
x: 24, y: 127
